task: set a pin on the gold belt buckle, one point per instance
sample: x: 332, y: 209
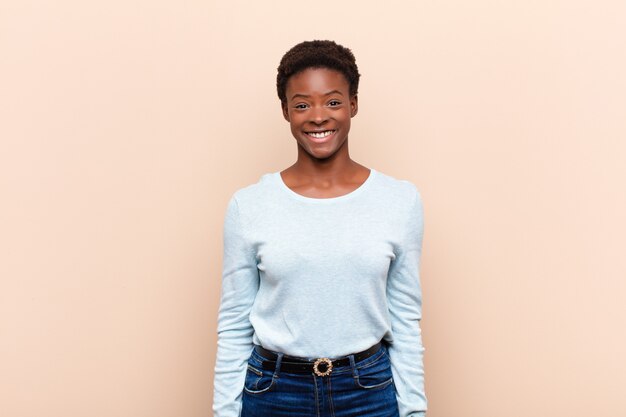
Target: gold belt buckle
x: 327, y: 362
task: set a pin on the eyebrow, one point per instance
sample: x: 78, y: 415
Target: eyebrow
x: 327, y: 94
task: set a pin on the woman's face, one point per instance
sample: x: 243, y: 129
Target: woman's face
x: 319, y: 109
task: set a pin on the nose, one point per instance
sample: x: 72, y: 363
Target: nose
x: 318, y: 115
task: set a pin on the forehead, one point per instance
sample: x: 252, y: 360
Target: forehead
x: 317, y: 81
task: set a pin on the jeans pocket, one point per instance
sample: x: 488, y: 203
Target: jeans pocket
x: 258, y: 380
x: 374, y: 375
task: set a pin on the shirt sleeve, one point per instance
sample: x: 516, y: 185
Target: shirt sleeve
x: 240, y: 283
x: 404, y: 297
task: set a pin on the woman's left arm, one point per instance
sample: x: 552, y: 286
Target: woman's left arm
x: 404, y: 297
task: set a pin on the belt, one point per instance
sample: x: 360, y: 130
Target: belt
x: 321, y: 366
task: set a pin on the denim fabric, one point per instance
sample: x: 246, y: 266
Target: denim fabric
x: 364, y: 389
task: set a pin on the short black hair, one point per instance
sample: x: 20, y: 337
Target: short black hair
x: 317, y: 54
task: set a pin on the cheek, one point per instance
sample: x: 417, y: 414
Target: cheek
x: 294, y: 126
x: 295, y: 129
x: 295, y: 123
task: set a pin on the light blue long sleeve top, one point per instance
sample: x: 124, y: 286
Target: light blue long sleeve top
x: 322, y: 277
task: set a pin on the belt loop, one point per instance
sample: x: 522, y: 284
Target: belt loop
x: 279, y: 359
x: 355, y: 373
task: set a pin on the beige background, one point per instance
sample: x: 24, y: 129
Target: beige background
x: 125, y: 127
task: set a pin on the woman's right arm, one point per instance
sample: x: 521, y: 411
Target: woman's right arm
x: 240, y: 283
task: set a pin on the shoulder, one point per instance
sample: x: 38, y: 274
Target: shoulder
x: 253, y: 191
x: 408, y: 203
x: 403, y: 192
x: 254, y: 200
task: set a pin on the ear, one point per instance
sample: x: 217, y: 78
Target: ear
x: 283, y: 106
x: 354, y: 105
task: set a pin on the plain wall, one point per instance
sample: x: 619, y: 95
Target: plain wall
x: 126, y: 126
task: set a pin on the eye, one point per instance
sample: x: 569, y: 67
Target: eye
x: 300, y: 106
x: 334, y: 103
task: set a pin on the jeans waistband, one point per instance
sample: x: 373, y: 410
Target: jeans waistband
x: 320, y: 366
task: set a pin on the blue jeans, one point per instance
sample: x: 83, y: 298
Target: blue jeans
x: 363, y: 389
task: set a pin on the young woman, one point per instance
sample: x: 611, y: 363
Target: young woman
x: 321, y: 297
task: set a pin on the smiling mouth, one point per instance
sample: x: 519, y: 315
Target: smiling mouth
x: 320, y: 135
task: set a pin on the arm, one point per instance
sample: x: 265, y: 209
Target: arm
x: 404, y: 297
x: 240, y: 283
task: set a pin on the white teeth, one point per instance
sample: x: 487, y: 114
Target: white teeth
x: 321, y: 134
